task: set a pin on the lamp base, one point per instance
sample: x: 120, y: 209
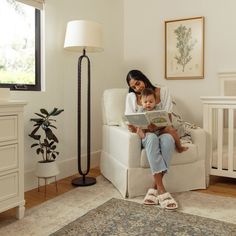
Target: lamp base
x: 84, y: 181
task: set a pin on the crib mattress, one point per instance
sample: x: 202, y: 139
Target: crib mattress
x: 224, y: 158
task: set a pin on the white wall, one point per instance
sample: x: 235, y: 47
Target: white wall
x: 61, y: 78
x: 144, y: 45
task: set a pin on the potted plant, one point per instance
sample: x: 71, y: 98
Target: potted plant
x: 46, y: 142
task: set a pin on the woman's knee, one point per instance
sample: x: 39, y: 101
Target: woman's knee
x: 167, y: 141
x: 150, y: 139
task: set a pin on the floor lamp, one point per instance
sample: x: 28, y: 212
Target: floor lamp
x: 83, y: 36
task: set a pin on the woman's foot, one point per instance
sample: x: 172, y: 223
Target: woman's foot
x: 151, y: 197
x: 167, y: 202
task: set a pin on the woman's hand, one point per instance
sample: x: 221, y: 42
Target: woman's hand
x: 132, y: 128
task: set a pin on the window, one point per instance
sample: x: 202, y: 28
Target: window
x: 20, y: 60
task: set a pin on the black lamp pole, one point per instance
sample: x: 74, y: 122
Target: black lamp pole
x: 83, y: 181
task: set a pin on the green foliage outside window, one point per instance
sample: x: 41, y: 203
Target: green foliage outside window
x: 17, y: 43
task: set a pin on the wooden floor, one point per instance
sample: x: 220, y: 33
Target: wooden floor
x: 218, y: 186
x: 34, y: 198
x: 221, y: 186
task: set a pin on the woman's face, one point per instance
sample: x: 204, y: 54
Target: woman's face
x: 137, y: 85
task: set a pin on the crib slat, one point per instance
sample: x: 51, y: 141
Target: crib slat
x: 230, y: 139
x: 219, y: 138
x: 209, y: 126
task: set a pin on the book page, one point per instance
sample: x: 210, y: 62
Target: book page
x: 159, y: 118
x: 138, y: 120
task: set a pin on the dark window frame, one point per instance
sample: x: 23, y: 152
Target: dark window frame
x: 37, y: 86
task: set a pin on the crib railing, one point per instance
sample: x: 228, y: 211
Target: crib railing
x: 219, y: 120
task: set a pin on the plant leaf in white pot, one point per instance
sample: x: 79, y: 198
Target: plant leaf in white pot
x: 46, y: 141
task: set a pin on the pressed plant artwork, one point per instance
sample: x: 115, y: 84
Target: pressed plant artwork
x: 184, y: 48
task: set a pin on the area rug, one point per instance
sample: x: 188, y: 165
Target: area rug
x: 54, y: 214
x: 121, y: 217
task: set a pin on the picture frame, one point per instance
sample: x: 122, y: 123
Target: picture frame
x: 184, y: 48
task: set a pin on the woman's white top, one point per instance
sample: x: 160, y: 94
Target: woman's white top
x: 131, y: 105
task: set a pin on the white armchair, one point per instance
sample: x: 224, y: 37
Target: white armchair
x: 124, y: 162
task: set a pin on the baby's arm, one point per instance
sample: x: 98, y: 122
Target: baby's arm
x: 132, y: 128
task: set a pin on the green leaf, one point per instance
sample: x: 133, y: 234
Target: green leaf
x: 36, y: 137
x: 49, y: 133
x: 38, y: 120
x: 58, y: 112
x: 51, y: 143
x: 46, y: 142
x: 53, y: 156
x: 55, y: 138
x: 38, y: 114
x: 34, y: 145
x: 38, y: 150
x: 35, y: 130
x: 53, y: 111
x: 44, y: 111
x: 53, y: 126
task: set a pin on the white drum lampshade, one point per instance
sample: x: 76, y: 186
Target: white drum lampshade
x: 83, y: 34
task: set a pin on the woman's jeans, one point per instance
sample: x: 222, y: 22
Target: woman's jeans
x: 159, y: 151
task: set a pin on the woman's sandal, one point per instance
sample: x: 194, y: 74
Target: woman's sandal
x: 167, y: 202
x: 151, y: 197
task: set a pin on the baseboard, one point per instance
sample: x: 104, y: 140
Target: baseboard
x: 67, y: 168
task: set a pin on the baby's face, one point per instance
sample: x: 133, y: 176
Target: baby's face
x: 148, y: 102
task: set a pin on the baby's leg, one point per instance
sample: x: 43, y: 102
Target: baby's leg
x: 174, y: 134
x: 140, y: 133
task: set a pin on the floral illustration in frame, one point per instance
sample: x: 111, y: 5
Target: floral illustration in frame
x: 184, y: 48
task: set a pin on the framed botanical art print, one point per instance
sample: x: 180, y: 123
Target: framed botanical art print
x: 184, y: 48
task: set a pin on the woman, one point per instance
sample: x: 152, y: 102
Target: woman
x: 158, y: 148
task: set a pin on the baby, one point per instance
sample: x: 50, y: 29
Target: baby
x: 148, y: 101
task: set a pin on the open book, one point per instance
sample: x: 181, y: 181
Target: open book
x: 160, y: 118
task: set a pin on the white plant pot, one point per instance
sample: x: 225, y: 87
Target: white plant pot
x: 46, y: 169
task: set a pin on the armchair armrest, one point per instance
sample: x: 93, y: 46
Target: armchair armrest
x: 122, y: 145
x: 199, y: 138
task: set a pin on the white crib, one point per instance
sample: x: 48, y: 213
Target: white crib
x: 219, y: 120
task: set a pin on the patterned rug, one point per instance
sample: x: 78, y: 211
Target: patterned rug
x: 123, y: 217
